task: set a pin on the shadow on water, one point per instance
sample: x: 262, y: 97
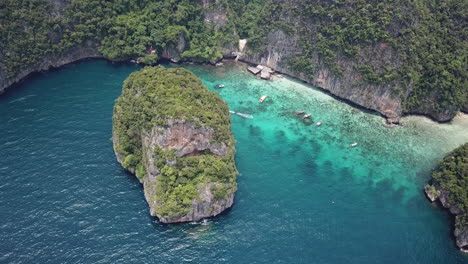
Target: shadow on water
x: 280, y: 137
x: 294, y: 150
x: 309, y: 170
x: 256, y: 131
x: 315, y: 147
x: 327, y: 168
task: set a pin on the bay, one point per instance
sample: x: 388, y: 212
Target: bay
x: 303, y: 197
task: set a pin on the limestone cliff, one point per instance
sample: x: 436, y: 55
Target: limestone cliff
x: 290, y: 33
x: 376, y: 75
x: 436, y: 193
x: 174, y: 135
x: 86, y: 50
x: 449, y: 185
x: 282, y: 47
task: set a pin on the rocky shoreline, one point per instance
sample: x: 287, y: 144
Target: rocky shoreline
x: 183, y: 158
x: 436, y: 194
x: 85, y: 51
x: 90, y: 51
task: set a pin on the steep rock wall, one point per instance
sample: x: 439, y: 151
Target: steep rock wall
x: 282, y: 47
x: 434, y: 193
x: 175, y: 136
x: 186, y: 140
x: 86, y: 50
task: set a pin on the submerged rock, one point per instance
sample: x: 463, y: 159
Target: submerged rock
x: 175, y: 136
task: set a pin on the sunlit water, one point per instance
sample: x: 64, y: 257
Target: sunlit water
x: 303, y: 196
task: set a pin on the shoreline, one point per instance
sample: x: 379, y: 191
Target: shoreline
x: 388, y: 122
x: 344, y: 100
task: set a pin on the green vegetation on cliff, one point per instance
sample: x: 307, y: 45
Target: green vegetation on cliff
x: 428, y: 40
x: 153, y: 97
x: 31, y: 29
x: 452, y: 176
x: 424, y: 41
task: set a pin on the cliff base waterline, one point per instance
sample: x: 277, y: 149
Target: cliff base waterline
x: 68, y: 200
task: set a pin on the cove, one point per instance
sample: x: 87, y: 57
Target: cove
x: 303, y: 196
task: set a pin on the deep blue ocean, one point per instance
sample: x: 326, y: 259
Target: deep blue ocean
x: 303, y: 196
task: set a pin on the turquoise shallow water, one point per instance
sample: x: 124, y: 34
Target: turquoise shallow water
x: 303, y: 196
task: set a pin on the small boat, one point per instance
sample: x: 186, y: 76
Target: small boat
x: 353, y: 145
x: 241, y: 114
x: 262, y: 98
x: 300, y: 112
x: 220, y: 86
x: 244, y: 115
x: 306, y: 116
x: 319, y: 123
x: 219, y: 64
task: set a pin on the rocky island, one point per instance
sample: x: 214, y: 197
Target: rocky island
x: 449, y: 185
x: 175, y: 136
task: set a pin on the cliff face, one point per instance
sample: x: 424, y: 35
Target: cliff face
x: 86, y: 50
x: 434, y: 193
x: 449, y: 185
x: 186, y: 140
x: 183, y: 158
x: 282, y: 47
x: 386, y: 72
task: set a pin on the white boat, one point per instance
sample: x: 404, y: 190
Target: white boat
x: 220, y: 86
x: 306, y: 116
x: 353, y: 145
x: 262, y: 98
x: 245, y: 115
x: 319, y: 123
x: 241, y: 114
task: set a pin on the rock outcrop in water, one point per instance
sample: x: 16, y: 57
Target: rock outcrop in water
x: 174, y: 135
x: 450, y: 187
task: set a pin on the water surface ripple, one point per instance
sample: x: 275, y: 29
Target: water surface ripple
x: 303, y: 196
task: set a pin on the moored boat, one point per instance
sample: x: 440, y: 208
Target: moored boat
x: 301, y: 112
x: 353, y: 145
x: 262, y: 98
x: 306, y: 116
x: 319, y: 123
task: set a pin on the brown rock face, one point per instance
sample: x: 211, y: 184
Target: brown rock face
x: 187, y: 140
x: 282, y: 47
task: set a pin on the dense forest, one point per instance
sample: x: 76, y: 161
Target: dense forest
x: 452, y: 176
x: 428, y: 70
x: 123, y: 28
x: 152, y: 97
